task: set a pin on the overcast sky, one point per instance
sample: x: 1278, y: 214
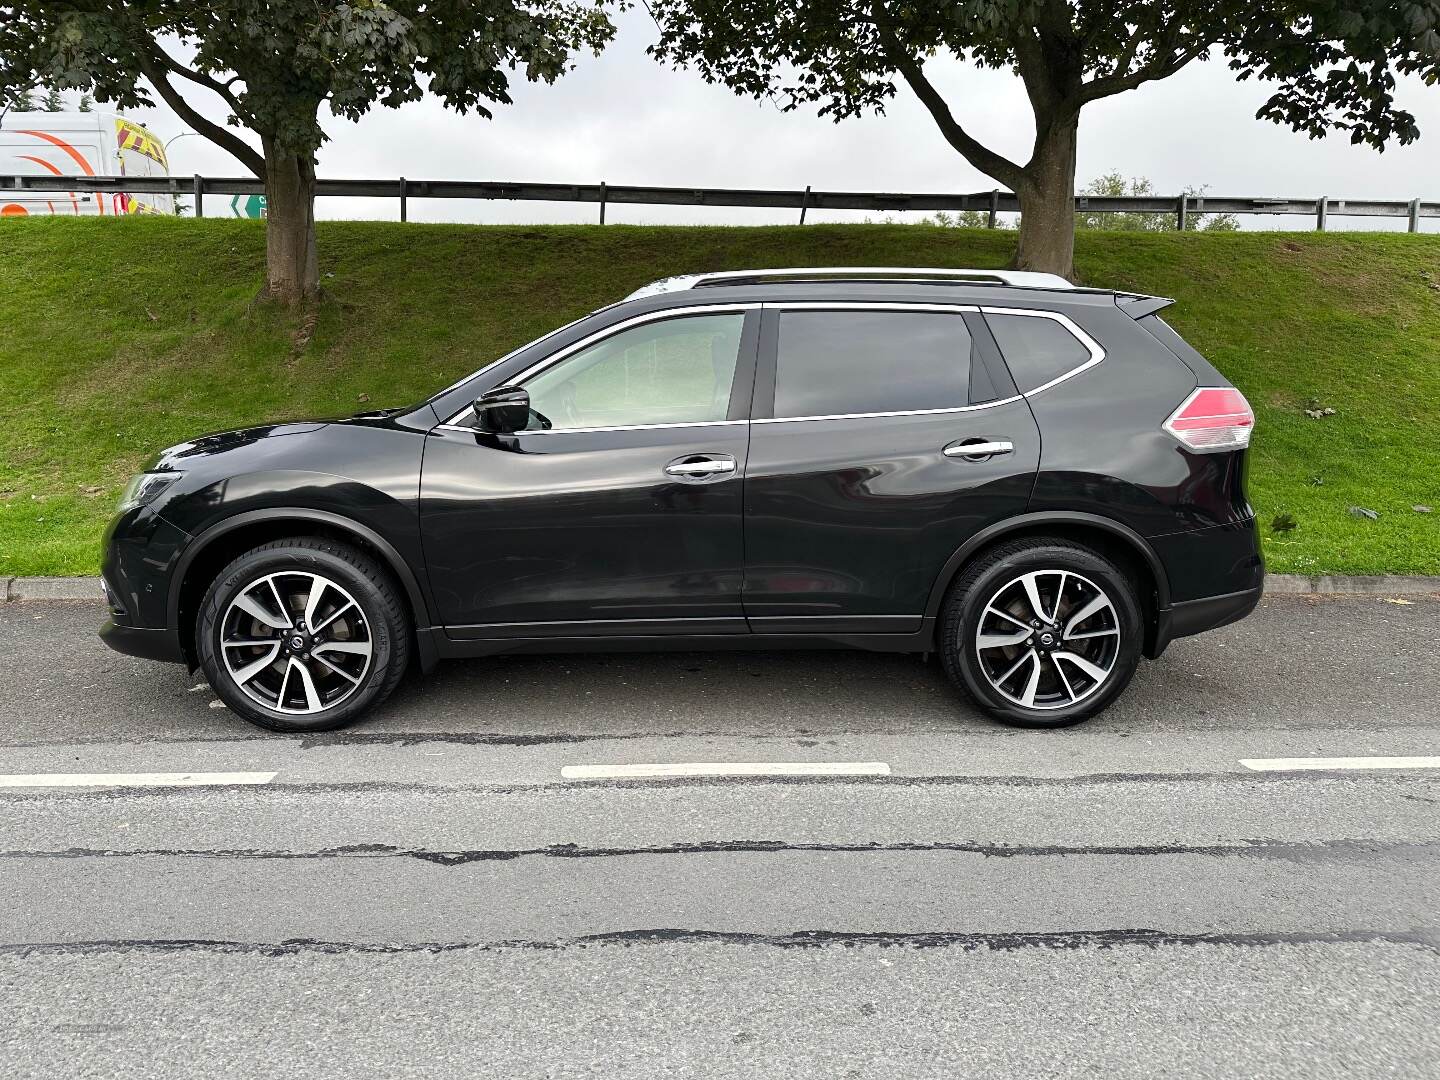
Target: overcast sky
x: 625, y: 119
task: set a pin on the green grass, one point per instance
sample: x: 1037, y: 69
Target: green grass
x: 122, y: 336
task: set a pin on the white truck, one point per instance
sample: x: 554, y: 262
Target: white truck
x: 79, y: 144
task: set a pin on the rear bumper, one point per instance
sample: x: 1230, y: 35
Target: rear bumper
x: 1208, y: 613
x: 1217, y: 576
x: 139, y: 641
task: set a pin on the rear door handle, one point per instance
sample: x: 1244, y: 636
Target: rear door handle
x: 974, y: 449
x: 700, y: 466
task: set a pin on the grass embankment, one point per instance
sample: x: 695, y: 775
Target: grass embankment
x: 119, y: 337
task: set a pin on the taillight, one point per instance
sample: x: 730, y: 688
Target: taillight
x: 1213, y: 418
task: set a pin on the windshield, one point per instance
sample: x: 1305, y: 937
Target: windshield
x: 514, y: 352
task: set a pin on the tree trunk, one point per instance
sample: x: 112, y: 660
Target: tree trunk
x: 1047, y: 203
x: 292, y: 271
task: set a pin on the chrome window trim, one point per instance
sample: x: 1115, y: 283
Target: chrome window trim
x: 592, y: 430
x: 903, y: 412
x: 875, y: 305
x: 596, y: 338
x: 1090, y: 345
x: 868, y: 305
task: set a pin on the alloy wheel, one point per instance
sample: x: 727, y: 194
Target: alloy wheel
x: 296, y: 642
x: 1048, y: 639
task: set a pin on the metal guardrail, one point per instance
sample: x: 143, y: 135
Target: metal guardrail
x: 988, y: 202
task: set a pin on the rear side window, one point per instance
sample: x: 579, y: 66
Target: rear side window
x: 1037, y: 349
x: 831, y: 363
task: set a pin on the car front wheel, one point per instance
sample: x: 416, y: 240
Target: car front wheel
x: 303, y: 634
x: 1042, y: 632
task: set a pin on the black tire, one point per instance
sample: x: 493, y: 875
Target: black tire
x: 382, y: 624
x: 993, y: 579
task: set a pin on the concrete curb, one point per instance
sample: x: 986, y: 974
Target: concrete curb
x: 52, y: 588
x: 88, y: 588
x: 1372, y: 585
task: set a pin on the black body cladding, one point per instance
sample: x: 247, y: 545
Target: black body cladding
x: 729, y: 525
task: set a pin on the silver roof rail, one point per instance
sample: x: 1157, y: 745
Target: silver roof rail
x: 1026, y: 279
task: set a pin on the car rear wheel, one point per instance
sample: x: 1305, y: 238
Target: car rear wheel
x: 1042, y: 632
x: 303, y: 634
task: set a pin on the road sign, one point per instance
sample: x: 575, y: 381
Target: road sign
x: 248, y: 206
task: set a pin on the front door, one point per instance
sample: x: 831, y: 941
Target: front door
x: 884, y: 436
x: 618, y: 512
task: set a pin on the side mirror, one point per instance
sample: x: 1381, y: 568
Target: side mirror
x: 502, y: 410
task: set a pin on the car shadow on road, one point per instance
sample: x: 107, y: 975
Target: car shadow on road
x: 1336, y: 664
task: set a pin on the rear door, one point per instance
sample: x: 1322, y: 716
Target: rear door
x: 861, y: 480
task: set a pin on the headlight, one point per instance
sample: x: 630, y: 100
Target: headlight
x: 145, y: 489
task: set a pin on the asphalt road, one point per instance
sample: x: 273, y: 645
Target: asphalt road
x: 426, y: 896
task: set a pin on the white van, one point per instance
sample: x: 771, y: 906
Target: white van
x: 79, y: 144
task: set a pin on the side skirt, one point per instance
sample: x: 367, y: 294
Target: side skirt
x: 919, y: 641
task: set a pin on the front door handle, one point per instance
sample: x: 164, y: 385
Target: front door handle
x: 975, y: 449
x: 699, y: 467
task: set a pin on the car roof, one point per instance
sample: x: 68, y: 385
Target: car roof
x: 943, y: 285
x: 958, y: 293
x: 1019, y: 278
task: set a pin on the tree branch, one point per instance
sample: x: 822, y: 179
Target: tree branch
x: 1109, y: 85
x: 1048, y: 58
x: 981, y: 156
x: 201, y: 79
x: 1034, y: 68
x: 221, y: 137
x: 1132, y: 49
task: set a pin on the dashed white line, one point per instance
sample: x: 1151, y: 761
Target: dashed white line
x: 176, y: 779
x: 1298, y: 764
x: 726, y: 768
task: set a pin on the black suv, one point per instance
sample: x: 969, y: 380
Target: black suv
x: 1040, y: 483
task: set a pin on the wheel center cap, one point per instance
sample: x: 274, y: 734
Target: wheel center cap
x: 297, y: 642
x: 1047, y: 639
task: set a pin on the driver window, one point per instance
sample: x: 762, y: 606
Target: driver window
x: 672, y: 372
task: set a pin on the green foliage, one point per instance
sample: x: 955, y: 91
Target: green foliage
x: 1331, y: 63
x: 87, y: 102
x: 53, y: 101
x: 122, y: 336
x: 967, y: 219
x: 274, y: 64
x: 1112, y: 184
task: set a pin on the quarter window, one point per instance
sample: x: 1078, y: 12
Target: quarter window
x: 831, y: 363
x: 1037, y: 349
x: 672, y: 372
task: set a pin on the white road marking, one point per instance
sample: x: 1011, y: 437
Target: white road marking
x: 1296, y: 764
x: 158, y: 779
x: 727, y: 768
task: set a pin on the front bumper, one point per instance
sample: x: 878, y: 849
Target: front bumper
x: 141, y: 550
